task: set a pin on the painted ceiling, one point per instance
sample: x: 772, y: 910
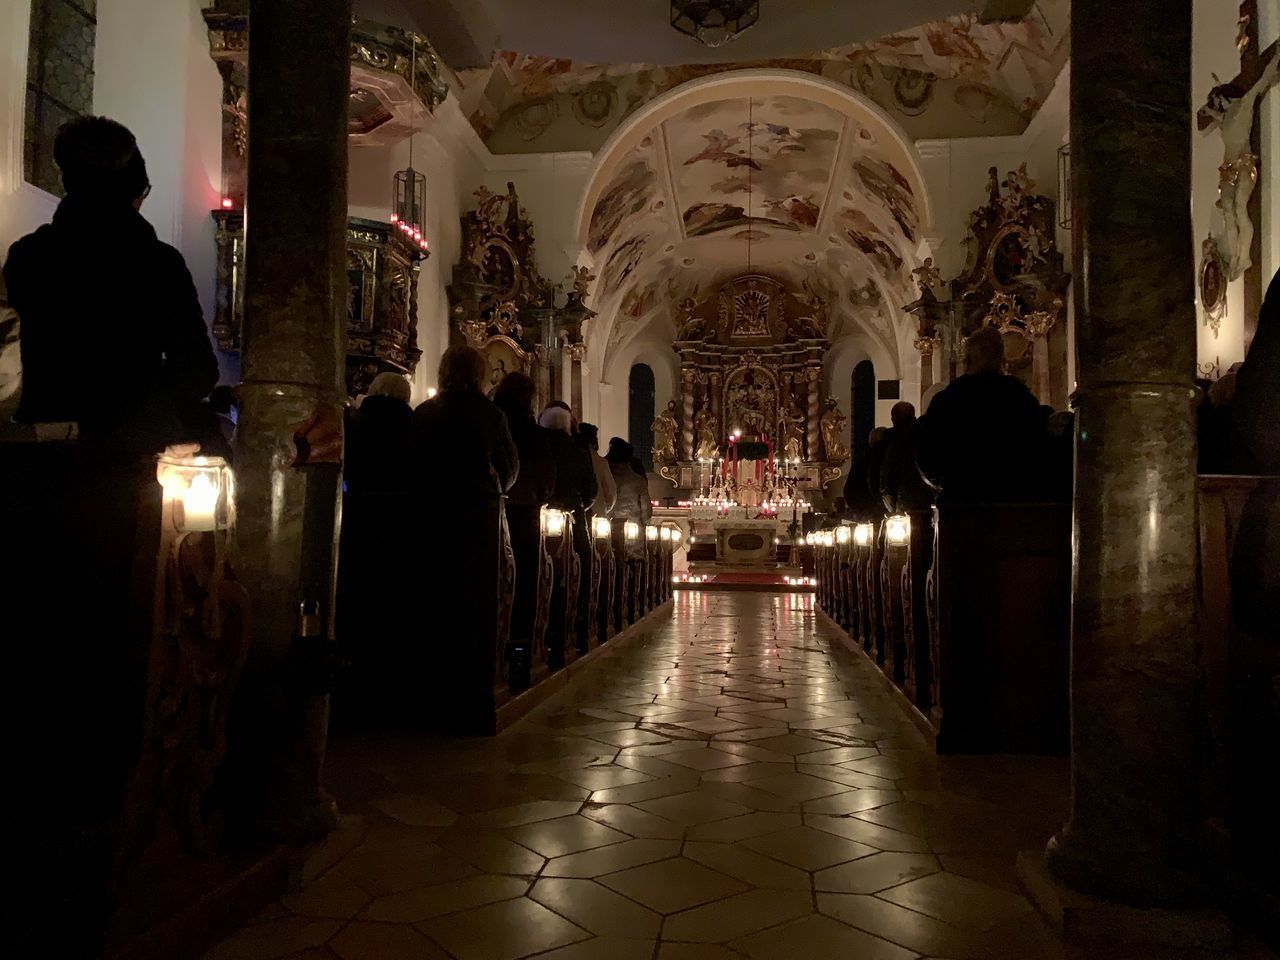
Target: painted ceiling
x: 780, y: 185
x: 953, y: 77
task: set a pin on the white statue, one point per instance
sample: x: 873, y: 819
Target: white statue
x: 1238, y: 175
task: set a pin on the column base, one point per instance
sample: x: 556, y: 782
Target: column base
x: 1083, y: 920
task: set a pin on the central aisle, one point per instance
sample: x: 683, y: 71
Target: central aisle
x: 723, y: 785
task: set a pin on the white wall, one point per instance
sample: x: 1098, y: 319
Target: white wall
x: 614, y: 410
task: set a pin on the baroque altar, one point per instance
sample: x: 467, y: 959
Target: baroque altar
x: 501, y: 305
x: 751, y: 361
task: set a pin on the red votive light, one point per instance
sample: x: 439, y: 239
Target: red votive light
x: 226, y: 203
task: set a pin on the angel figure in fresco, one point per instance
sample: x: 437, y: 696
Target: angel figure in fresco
x: 691, y: 326
x: 832, y: 423
x: 665, y: 428
x: 718, y: 150
x: 708, y: 446
x: 1232, y: 109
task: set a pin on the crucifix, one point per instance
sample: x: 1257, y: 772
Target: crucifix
x: 1233, y: 108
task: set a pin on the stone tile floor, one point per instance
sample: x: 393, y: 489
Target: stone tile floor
x: 726, y: 784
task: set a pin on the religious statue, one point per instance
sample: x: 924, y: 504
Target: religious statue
x: 927, y: 276
x: 832, y: 423
x: 708, y: 446
x: 665, y: 427
x: 792, y: 433
x: 1233, y: 110
x: 582, y: 277
x: 993, y: 187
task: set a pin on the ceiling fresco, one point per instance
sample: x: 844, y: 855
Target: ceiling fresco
x: 779, y: 184
x: 949, y: 78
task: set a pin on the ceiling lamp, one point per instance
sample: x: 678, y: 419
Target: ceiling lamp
x: 714, y: 22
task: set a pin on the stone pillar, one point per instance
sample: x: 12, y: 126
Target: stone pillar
x: 293, y: 360
x: 575, y: 355
x: 688, y: 387
x: 1130, y: 836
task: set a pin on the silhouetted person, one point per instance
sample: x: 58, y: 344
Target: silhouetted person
x: 982, y: 439
x: 377, y: 454
x: 588, y: 437
x: 902, y: 489
x: 222, y: 401
x: 575, y: 486
x: 460, y: 447
x: 862, y: 486
x: 633, y: 501
x: 114, y: 352
x: 535, y: 483
x: 445, y: 583
x: 1255, y: 561
x: 112, y: 335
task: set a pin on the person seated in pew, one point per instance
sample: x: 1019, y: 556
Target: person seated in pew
x: 982, y: 439
x: 534, y: 485
x: 377, y: 454
x: 588, y: 437
x: 575, y: 487
x: 901, y: 487
x: 632, y: 502
x: 862, y: 487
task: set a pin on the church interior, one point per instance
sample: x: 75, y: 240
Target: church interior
x: 675, y: 479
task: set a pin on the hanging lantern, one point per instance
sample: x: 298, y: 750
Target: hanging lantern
x: 409, y: 209
x: 714, y: 22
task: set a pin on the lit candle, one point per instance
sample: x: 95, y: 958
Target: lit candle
x: 200, y: 504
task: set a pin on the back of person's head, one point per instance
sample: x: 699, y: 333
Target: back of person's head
x: 515, y: 394
x: 589, y: 435
x: 620, y: 451
x: 556, y: 418
x: 903, y: 414
x: 461, y: 368
x: 222, y: 399
x: 984, y: 351
x: 388, y: 384
x: 876, y: 435
x: 99, y: 159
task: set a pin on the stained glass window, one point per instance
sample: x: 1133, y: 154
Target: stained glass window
x: 59, y: 81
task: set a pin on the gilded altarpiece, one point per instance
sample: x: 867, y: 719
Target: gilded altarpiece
x: 1014, y: 280
x: 751, y: 361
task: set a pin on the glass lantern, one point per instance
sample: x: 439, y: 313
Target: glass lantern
x: 664, y: 533
x: 601, y: 527
x: 862, y: 534
x: 897, y: 530
x: 842, y: 534
x: 553, y: 522
x: 200, y: 488
x: 651, y: 533
x: 631, y: 531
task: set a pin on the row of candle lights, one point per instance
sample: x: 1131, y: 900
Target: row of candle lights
x: 897, y: 532
x: 555, y: 522
x: 411, y: 233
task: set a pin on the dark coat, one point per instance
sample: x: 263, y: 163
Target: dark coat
x: 982, y: 439
x: 377, y: 454
x: 536, y: 479
x: 460, y: 448
x: 575, y: 487
x: 862, y: 488
x: 901, y: 487
x: 112, y: 333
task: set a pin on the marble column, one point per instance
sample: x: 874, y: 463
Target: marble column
x: 688, y: 387
x: 293, y: 360
x: 813, y: 418
x: 1130, y: 836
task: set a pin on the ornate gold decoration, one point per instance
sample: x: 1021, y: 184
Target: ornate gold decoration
x: 1212, y: 285
x: 582, y: 277
x: 926, y: 344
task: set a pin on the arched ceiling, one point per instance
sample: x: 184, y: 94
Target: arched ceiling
x: 951, y: 77
x: 770, y: 173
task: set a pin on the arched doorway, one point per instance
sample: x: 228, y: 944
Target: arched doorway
x: 640, y: 412
x: 863, y: 391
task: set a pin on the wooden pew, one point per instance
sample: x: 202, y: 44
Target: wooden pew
x: 1001, y: 619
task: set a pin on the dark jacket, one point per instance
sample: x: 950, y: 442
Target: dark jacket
x: 982, y: 439
x: 901, y: 487
x: 536, y: 479
x: 112, y: 333
x: 377, y: 454
x: 575, y: 486
x: 460, y: 448
x: 862, y: 488
x: 1256, y: 406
